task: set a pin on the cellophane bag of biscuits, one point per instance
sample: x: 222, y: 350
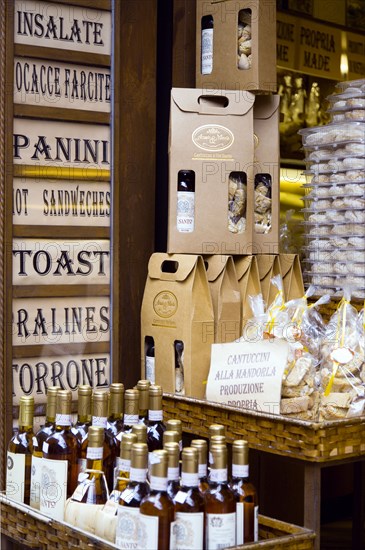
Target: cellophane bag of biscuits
x: 342, y: 371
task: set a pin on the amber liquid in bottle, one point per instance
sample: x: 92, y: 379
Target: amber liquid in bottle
x: 158, y: 504
x: 202, y: 447
x: 116, y: 410
x: 143, y: 387
x: 123, y: 463
x: 156, y: 427
x: 173, y: 469
x: 245, y: 491
x: 63, y: 444
x: 19, y: 468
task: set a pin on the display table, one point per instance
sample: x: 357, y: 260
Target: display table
x: 315, y: 445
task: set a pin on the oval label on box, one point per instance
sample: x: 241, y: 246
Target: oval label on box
x: 165, y: 304
x: 213, y: 137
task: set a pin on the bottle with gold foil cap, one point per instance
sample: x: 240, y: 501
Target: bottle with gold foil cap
x: 216, y: 429
x: 170, y: 436
x: 143, y: 387
x: 220, y: 502
x: 131, y: 409
x: 141, y: 432
x: 155, y: 427
x: 157, y: 510
x: 173, y: 469
x: 245, y: 491
x: 189, y: 504
x: 19, y: 454
x: 123, y: 462
x: 175, y: 424
x: 116, y: 409
x: 202, y: 446
x: 84, y: 393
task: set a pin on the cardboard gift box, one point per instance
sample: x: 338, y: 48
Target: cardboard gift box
x: 269, y: 267
x: 236, y: 45
x: 211, y: 136
x: 226, y: 297
x: 291, y: 273
x: 267, y: 175
x: 249, y: 284
x: 177, y: 306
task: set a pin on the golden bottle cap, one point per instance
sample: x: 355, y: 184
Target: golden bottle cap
x: 173, y: 450
x: 139, y: 456
x: 84, y: 393
x: 158, y: 463
x: 64, y: 402
x: 155, y: 398
x: 131, y: 402
x: 190, y: 460
x: 84, y: 389
x: 170, y: 436
x: 96, y: 436
x: 240, y: 452
x: 218, y: 457
x: 126, y: 445
x: 26, y: 410
x: 216, y: 429
x: 217, y: 439
x: 141, y: 432
x: 116, y: 402
x: 51, y: 403
x: 175, y: 425
x: 202, y: 447
x: 100, y: 403
x: 143, y: 387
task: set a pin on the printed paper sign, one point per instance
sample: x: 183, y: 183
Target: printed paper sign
x: 54, y: 84
x: 50, y: 262
x: 76, y: 203
x: 62, y: 26
x: 48, y: 321
x: 248, y: 375
x: 356, y: 55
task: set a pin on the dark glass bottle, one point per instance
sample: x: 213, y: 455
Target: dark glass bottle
x: 173, y: 468
x: 123, y: 463
x: 143, y: 387
x: 150, y: 359
x: 207, y: 25
x: 202, y: 447
x: 185, y: 210
x: 156, y: 427
x: 19, y: 454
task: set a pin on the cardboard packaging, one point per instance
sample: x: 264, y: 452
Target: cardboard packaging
x: 257, y: 44
x: 291, y: 273
x: 269, y: 267
x: 212, y: 136
x: 249, y: 284
x: 177, y: 306
x: 226, y: 297
x: 266, y: 175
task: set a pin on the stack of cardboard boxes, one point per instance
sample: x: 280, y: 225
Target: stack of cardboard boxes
x: 223, y: 219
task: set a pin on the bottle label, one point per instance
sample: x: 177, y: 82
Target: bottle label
x: 45, y: 447
x: 189, y: 530
x: 15, y: 476
x: 35, y: 442
x: 94, y: 453
x: 122, y: 464
x: 35, y: 482
x: 63, y: 420
x: 189, y: 480
x: 150, y: 369
x: 185, y: 211
x: 148, y: 532
x: 138, y: 474
x: 100, y: 421
x: 111, y: 505
x: 130, y: 419
x: 128, y: 528
x: 207, y: 51
x: 173, y: 474
x: 155, y: 416
x: 158, y: 483
x: 202, y: 470
x: 53, y: 487
x: 240, y: 523
x: 256, y: 524
x: 218, y: 475
x: 240, y: 470
x: 82, y: 463
x: 220, y: 531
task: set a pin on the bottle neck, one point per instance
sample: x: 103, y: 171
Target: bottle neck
x: 158, y: 484
x: 63, y: 421
x: 240, y: 471
x: 219, y: 475
x: 25, y: 428
x: 94, y: 458
x: 83, y: 419
x: 155, y: 415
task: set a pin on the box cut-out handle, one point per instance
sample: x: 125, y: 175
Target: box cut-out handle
x: 169, y: 266
x: 210, y: 101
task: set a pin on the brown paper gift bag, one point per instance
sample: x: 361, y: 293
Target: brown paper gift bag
x: 269, y: 267
x: 291, y: 273
x: 249, y: 284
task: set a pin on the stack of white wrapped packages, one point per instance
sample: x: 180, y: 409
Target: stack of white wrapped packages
x: 335, y: 194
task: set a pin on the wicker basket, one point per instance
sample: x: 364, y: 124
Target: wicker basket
x: 34, y: 530
x: 310, y: 441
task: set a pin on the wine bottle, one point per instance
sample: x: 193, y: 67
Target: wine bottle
x: 202, y: 447
x: 60, y: 461
x: 173, y: 468
x: 175, y: 424
x: 185, y: 209
x: 80, y: 428
x: 123, y: 463
x: 38, y: 440
x: 156, y: 427
x: 141, y: 432
x: 150, y: 359
x: 131, y: 410
x: 116, y: 410
x: 207, y: 25
x: 220, y: 503
x: 245, y: 491
x: 189, y: 504
x: 19, y: 454
x: 143, y: 387
x: 157, y: 510
x: 100, y: 418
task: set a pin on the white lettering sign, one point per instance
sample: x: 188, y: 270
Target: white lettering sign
x: 248, y: 375
x: 49, y: 321
x: 49, y: 262
x: 52, y: 84
x: 62, y: 26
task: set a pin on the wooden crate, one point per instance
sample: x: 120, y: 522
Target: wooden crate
x: 332, y: 440
x: 34, y: 530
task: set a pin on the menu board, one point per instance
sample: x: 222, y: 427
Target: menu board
x: 61, y: 249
